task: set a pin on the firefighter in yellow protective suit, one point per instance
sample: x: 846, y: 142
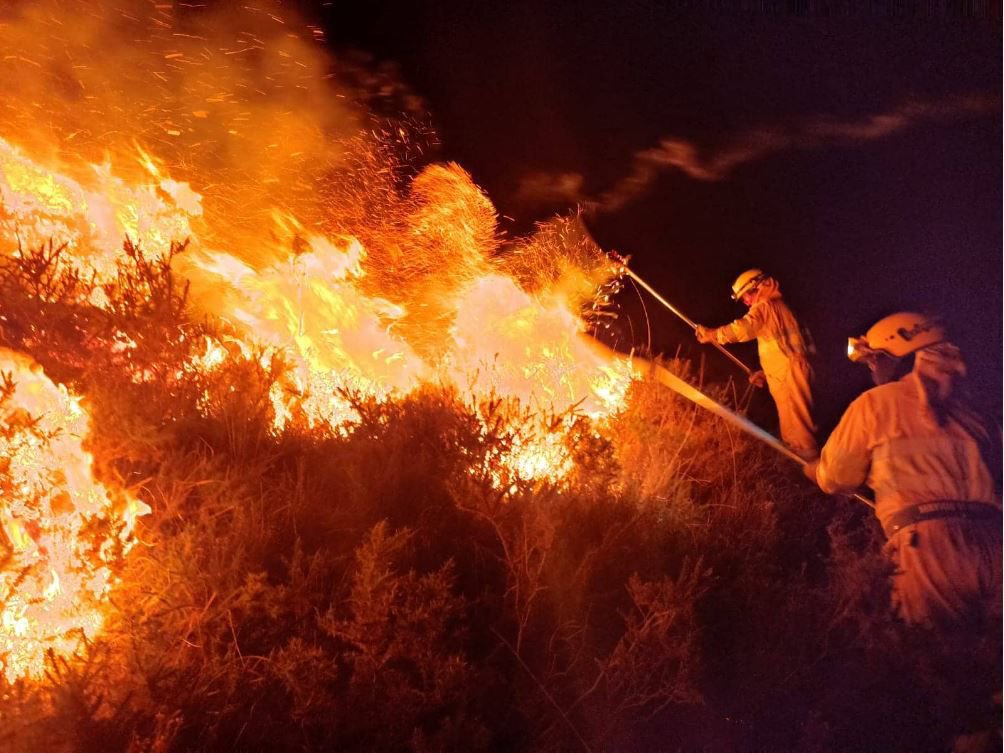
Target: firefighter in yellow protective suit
x: 783, y: 351
x: 934, y: 467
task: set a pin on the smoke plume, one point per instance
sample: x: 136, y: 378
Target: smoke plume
x: 752, y: 145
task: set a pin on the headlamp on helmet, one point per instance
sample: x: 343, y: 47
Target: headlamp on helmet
x: 857, y: 349
x: 747, y: 282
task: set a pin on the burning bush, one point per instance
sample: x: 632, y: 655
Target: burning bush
x: 63, y: 535
x: 319, y: 589
x: 397, y: 503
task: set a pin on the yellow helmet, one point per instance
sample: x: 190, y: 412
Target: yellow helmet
x: 746, y: 282
x: 897, y: 335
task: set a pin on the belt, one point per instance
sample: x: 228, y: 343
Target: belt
x: 941, y: 508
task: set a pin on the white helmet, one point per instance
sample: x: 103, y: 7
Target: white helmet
x: 747, y: 282
x: 897, y: 335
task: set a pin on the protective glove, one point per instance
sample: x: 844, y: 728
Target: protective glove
x: 758, y: 379
x: 809, y: 469
x: 703, y: 334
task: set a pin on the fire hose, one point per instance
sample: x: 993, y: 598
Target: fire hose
x: 680, y: 387
x: 694, y: 395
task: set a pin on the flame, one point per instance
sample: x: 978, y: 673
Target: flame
x: 530, y: 348
x: 38, y: 204
x: 307, y: 307
x: 62, y: 531
x: 306, y: 243
x: 435, y: 306
x: 304, y: 237
x: 316, y: 302
x: 501, y: 342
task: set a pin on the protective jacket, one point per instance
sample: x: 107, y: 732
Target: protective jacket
x: 930, y: 461
x: 783, y: 352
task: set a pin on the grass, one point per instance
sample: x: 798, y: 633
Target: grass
x: 685, y: 590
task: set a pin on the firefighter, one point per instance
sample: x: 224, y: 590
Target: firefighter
x: 783, y: 350
x: 934, y: 467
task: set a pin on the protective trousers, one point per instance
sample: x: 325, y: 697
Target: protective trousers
x: 788, y: 381
x: 948, y: 572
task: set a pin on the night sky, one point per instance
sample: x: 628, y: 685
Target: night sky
x: 853, y: 230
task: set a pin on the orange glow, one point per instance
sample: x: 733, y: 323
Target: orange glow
x: 338, y: 324
x: 38, y: 204
x: 530, y: 348
x: 444, y: 312
x: 62, y: 532
x: 308, y: 241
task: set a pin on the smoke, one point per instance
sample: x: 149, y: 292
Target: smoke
x: 241, y: 100
x: 551, y: 188
x: 749, y: 146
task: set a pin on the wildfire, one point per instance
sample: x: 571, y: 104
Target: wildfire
x: 38, y: 204
x: 307, y: 307
x: 361, y: 281
x: 61, y: 532
x: 315, y: 301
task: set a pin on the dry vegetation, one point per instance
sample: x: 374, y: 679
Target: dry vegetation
x: 308, y: 591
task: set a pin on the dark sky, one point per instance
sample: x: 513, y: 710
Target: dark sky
x: 853, y: 231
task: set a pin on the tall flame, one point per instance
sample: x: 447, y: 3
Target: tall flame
x: 38, y: 204
x: 61, y: 532
x: 310, y: 236
x: 317, y: 302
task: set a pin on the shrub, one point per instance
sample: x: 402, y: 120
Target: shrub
x: 302, y: 590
